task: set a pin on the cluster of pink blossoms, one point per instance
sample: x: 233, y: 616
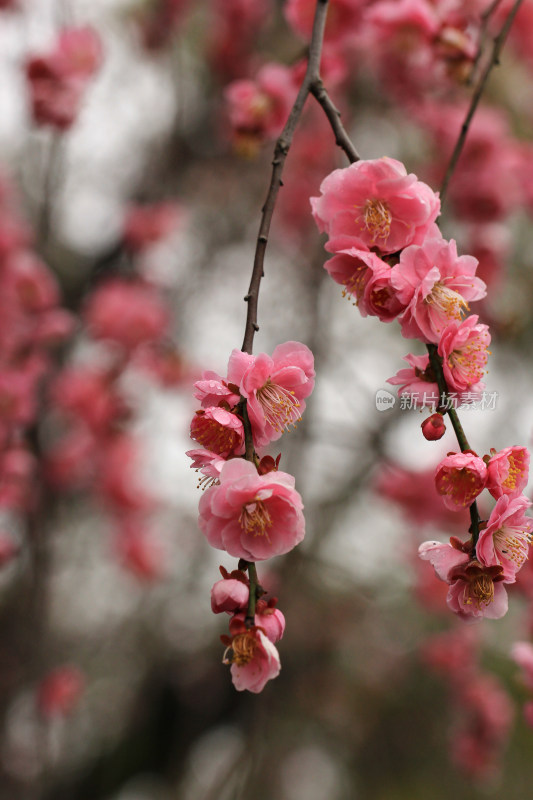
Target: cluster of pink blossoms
x: 251, y: 509
x: 390, y: 257
x: 477, y: 571
x: 57, y: 79
x: 481, y: 707
x: 90, y: 445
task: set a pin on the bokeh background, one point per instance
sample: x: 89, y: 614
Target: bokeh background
x: 105, y: 581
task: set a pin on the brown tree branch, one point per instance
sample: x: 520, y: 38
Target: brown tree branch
x: 280, y: 154
x: 493, y: 61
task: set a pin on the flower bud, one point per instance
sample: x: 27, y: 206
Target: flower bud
x: 433, y: 427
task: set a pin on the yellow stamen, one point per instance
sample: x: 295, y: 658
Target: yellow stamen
x: 377, y: 219
x: 255, y: 518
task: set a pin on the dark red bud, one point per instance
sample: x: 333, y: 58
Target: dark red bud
x: 433, y: 427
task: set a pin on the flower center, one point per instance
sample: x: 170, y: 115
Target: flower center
x: 447, y: 301
x: 377, y: 219
x: 242, y: 649
x: 480, y: 590
x: 513, y: 543
x: 213, y: 435
x: 255, y: 518
x: 470, y: 361
x: 515, y: 472
x: 279, y: 405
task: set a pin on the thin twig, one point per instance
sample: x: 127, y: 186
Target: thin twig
x: 319, y: 92
x: 485, y: 19
x: 280, y: 154
x: 494, y: 60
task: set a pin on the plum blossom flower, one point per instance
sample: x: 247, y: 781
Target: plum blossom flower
x: 417, y: 382
x: 463, y: 347
x: 230, y: 594
x: 477, y: 591
x: 505, y: 540
x: 366, y: 277
x: 218, y: 430
x: 508, y: 471
x: 57, y: 79
x: 275, y: 387
x: 343, y: 22
x: 254, y: 659
x: 435, y: 284
x: 269, y: 618
x: 145, y: 225
x: 129, y: 313
x: 212, y: 390
x: 442, y: 557
x: 252, y: 516
x: 208, y: 464
x: 459, y: 478
x: 258, y: 109
x: 377, y: 205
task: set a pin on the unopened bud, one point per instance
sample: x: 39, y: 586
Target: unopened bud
x: 433, y: 427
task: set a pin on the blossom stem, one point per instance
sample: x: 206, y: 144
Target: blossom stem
x: 436, y: 364
x: 254, y: 586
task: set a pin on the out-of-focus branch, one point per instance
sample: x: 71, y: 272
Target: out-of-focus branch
x: 493, y: 61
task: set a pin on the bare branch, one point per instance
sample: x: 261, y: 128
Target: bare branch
x: 493, y: 61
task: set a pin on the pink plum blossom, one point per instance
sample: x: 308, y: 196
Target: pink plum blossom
x: 486, y: 715
x: 508, y: 471
x: 442, y: 557
x: 435, y: 284
x: 211, y: 390
x: 406, y: 22
x: 145, y: 225
x: 128, y: 313
x: 258, y: 109
x: 506, y: 538
x: 417, y: 382
x: 235, y: 26
x: 275, y: 387
x: 367, y: 278
x: 57, y: 79
x: 231, y: 594
x: 343, y: 21
x: 218, y: 430
x: 209, y: 464
x: 138, y: 548
x: 269, y: 618
x: 463, y: 348
x: 252, y: 516
x: 477, y: 591
x: 377, y: 205
x: 459, y: 478
x: 254, y: 659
